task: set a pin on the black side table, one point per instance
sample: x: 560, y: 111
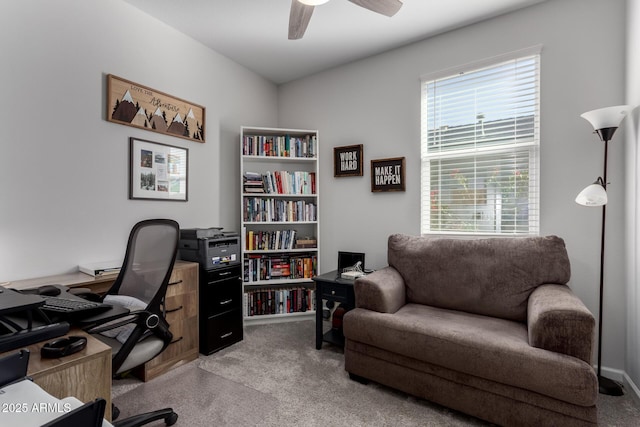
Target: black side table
x: 332, y: 288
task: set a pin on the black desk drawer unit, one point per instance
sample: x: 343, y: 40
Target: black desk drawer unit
x: 220, y: 308
x: 223, y: 330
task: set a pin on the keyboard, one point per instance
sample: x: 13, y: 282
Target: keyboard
x: 29, y: 336
x: 61, y: 305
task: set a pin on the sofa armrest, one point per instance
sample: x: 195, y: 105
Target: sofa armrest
x: 382, y: 291
x: 558, y: 321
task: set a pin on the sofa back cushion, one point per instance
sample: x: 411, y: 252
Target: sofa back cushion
x: 492, y: 277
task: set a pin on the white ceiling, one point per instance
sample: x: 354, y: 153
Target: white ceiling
x: 254, y: 32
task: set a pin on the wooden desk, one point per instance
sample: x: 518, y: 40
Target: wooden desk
x: 85, y: 375
x: 98, y: 285
x: 181, y: 303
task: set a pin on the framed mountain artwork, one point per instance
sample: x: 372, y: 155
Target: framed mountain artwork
x: 133, y: 104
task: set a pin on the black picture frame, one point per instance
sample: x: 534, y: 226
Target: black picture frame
x: 158, y: 171
x: 347, y: 161
x: 388, y: 175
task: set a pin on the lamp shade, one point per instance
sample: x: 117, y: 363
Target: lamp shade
x: 593, y: 195
x: 608, y: 117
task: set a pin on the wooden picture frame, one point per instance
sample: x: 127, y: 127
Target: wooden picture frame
x: 158, y: 171
x: 347, y: 161
x: 388, y: 174
x: 133, y: 104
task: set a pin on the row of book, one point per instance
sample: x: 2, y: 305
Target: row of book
x: 279, y: 301
x: 280, y: 266
x: 280, y: 146
x: 280, y: 182
x: 263, y: 240
x: 260, y: 209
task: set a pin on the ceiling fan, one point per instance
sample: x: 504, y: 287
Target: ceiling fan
x: 301, y: 11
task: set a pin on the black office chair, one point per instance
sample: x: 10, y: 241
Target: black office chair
x: 142, y: 334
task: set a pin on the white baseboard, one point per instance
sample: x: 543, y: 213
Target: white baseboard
x: 614, y: 374
x: 629, y: 385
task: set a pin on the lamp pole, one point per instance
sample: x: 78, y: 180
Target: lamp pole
x: 605, y: 121
x: 604, y: 222
x: 605, y: 385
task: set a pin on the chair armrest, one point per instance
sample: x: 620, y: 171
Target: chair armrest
x: 558, y: 321
x: 382, y: 291
x: 106, y: 323
x: 115, y: 315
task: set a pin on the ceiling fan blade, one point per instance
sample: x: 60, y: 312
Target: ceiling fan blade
x: 299, y: 19
x: 384, y: 7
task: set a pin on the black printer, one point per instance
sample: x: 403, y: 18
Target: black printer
x: 210, y: 247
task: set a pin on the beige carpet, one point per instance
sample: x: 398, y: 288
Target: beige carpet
x: 276, y: 377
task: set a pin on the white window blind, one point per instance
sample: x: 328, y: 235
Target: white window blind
x: 480, y: 150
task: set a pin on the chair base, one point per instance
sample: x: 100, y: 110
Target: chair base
x: 170, y: 418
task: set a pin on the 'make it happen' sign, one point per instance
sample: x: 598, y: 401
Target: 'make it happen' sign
x: 387, y: 174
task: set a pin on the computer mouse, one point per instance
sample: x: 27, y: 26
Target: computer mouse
x: 49, y: 290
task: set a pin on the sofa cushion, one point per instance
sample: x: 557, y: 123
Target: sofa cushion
x: 486, y: 347
x: 493, y: 277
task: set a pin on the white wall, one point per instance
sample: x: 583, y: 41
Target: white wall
x: 64, y: 168
x: 632, y: 197
x: 376, y: 102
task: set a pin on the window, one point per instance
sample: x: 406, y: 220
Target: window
x: 480, y: 149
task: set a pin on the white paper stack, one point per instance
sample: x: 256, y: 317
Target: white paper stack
x: 103, y: 268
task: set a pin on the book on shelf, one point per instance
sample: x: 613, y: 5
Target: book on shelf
x: 253, y: 183
x: 259, y: 267
x: 306, y: 243
x: 266, y: 209
x: 263, y: 240
x: 280, y: 182
x: 261, y: 302
x: 280, y: 146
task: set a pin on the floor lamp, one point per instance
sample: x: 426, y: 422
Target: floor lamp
x: 605, y: 121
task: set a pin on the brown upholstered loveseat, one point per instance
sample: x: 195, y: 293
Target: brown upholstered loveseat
x: 487, y: 327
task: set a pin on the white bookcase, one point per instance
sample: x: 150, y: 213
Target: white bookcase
x: 280, y: 223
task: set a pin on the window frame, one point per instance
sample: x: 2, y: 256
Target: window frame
x: 532, y: 147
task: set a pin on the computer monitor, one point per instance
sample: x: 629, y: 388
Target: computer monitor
x: 349, y: 259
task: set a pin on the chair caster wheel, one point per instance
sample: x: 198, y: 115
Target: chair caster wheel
x: 171, y: 419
